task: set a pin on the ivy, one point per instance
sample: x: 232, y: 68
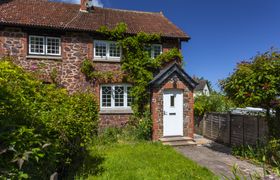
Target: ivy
x: 173, y: 54
x: 137, y: 66
x: 88, y: 69
x: 115, y: 34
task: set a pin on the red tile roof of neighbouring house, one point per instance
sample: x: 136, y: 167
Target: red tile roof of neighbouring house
x: 56, y: 15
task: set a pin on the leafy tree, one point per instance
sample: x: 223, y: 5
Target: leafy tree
x: 216, y: 102
x: 257, y: 83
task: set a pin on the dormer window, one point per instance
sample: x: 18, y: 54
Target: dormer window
x: 106, y: 50
x: 154, y: 50
x: 44, y: 45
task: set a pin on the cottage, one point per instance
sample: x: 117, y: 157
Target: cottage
x: 50, y: 37
x: 202, y: 88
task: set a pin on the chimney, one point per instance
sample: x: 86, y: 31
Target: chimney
x: 86, y: 6
x: 83, y: 6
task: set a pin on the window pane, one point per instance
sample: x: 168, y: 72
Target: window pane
x: 148, y: 48
x: 53, y: 46
x: 119, y: 96
x: 172, y: 101
x: 100, y: 49
x: 115, y: 50
x: 36, y: 44
x: 106, y: 96
x: 157, y: 50
x: 129, y: 98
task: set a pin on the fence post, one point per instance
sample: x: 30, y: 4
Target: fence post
x: 229, y: 124
x: 243, y: 130
x: 204, y: 124
x: 258, y: 129
x: 211, y: 132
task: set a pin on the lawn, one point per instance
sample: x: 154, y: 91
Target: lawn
x: 140, y: 161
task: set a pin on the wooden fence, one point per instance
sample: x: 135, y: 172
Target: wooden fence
x: 232, y: 129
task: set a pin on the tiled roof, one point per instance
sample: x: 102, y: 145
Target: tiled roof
x: 201, y: 84
x: 45, y: 14
x: 170, y: 70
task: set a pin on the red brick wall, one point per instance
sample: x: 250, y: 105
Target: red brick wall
x: 170, y: 44
x: 113, y: 120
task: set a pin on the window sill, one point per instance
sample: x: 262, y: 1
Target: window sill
x: 107, y: 60
x: 44, y: 57
x: 116, y: 111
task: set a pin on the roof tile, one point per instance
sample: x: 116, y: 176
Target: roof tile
x: 42, y: 13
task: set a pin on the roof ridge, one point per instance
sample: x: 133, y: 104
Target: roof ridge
x: 126, y: 10
x: 106, y: 8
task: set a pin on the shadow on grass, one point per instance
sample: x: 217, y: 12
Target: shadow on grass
x: 85, y: 166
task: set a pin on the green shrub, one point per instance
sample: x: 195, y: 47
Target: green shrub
x: 144, y: 127
x: 214, y: 103
x: 109, y: 135
x: 261, y: 153
x: 42, y: 128
x: 238, y: 174
x: 136, y: 130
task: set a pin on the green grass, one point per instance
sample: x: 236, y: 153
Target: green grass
x: 141, y: 161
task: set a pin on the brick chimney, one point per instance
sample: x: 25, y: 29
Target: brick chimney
x: 83, y: 5
x: 86, y: 6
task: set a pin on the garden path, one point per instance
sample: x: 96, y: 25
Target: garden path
x: 217, y: 158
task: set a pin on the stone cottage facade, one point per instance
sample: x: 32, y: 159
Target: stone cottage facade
x: 54, y: 39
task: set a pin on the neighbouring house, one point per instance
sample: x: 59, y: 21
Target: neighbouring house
x: 202, y: 88
x: 49, y: 37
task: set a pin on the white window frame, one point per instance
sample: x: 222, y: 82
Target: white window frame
x: 45, y: 45
x: 107, y: 57
x: 152, y: 55
x: 153, y: 50
x: 29, y: 45
x: 94, y: 49
x: 113, y: 96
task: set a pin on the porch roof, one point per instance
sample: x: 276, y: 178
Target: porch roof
x: 169, y: 71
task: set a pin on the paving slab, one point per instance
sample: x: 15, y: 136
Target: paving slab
x: 217, y: 158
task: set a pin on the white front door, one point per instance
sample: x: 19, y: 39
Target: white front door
x: 173, y: 113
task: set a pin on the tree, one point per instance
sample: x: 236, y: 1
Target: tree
x: 216, y: 102
x: 257, y: 83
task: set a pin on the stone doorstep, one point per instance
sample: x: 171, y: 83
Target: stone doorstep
x: 178, y: 141
x: 175, y: 138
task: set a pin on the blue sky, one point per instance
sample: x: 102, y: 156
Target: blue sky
x: 223, y: 32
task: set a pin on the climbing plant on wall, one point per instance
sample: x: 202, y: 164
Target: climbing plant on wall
x: 137, y: 65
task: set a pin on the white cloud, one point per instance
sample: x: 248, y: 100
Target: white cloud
x: 97, y: 3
